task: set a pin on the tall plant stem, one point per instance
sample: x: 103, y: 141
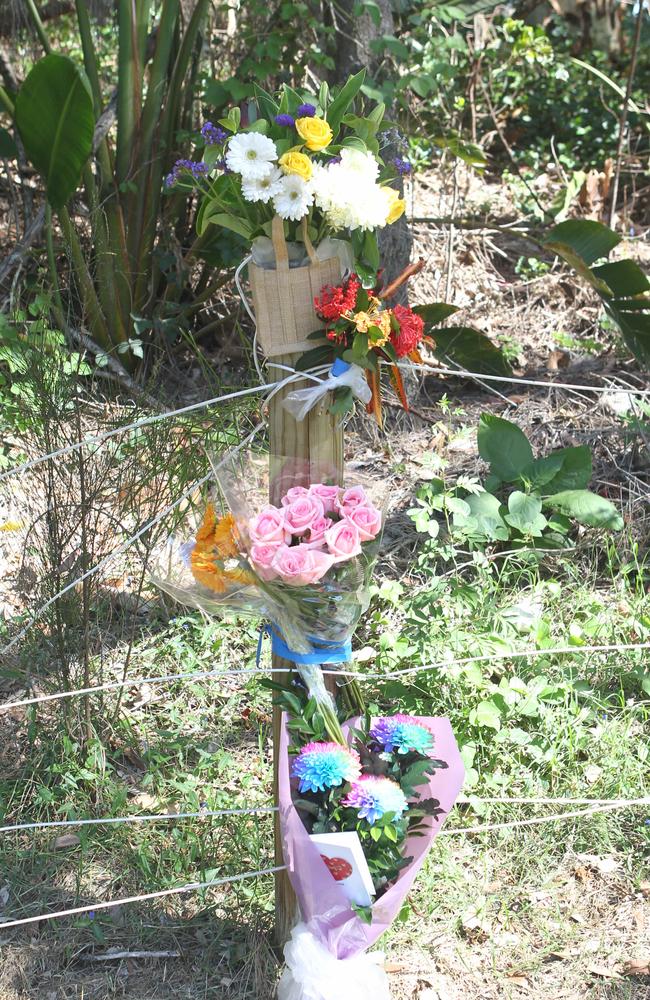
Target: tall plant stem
x: 6, y: 102
x: 51, y: 261
x: 38, y: 25
x: 90, y: 56
x: 88, y: 293
x: 624, y: 112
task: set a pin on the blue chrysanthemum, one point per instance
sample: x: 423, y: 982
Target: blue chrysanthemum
x: 324, y: 765
x: 402, y: 734
x: 284, y: 120
x: 305, y: 111
x: 374, y: 796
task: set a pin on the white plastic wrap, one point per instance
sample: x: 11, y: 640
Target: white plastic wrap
x: 301, y: 401
x: 313, y: 973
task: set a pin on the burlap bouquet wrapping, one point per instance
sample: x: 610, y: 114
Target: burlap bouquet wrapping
x: 283, y: 297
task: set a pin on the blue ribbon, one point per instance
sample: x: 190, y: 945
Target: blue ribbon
x: 324, y: 652
x: 339, y: 367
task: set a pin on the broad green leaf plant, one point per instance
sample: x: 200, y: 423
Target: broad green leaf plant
x: 65, y: 119
x: 526, y: 502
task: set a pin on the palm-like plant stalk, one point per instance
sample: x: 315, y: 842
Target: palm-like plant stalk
x: 119, y: 279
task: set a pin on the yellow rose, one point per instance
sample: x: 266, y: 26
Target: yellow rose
x: 296, y: 163
x: 315, y: 132
x: 396, y: 205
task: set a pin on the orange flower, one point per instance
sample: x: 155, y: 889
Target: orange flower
x: 206, y: 529
x: 224, y: 537
x: 206, y: 571
x: 215, y: 543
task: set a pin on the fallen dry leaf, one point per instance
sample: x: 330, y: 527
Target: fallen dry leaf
x: 603, y: 972
x: 603, y: 865
x: 637, y: 967
x: 66, y: 840
x: 644, y: 889
x: 557, y: 360
x: 517, y: 978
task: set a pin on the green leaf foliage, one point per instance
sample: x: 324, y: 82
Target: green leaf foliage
x: 484, y: 519
x: 525, y: 514
x: 343, y: 100
x: 587, y: 508
x: 504, y: 447
x: 468, y: 348
x: 54, y: 115
x: 435, y: 312
x: 622, y: 285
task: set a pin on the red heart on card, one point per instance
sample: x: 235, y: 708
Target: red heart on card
x: 339, y: 868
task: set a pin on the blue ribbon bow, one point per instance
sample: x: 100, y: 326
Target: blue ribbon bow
x: 324, y: 652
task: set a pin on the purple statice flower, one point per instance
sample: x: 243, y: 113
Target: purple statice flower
x: 194, y: 167
x: 374, y: 796
x: 324, y: 765
x: 287, y: 120
x: 305, y: 111
x: 402, y: 734
x: 402, y: 165
x: 213, y: 135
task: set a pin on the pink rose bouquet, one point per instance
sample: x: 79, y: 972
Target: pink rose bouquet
x: 302, y: 564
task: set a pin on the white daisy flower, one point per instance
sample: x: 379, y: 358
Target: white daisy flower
x: 262, y: 188
x: 251, y: 154
x: 294, y: 197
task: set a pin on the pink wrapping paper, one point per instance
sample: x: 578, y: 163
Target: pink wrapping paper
x: 323, y: 904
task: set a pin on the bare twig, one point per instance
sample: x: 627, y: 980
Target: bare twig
x: 624, y: 112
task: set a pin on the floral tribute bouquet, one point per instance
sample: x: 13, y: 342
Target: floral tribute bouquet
x: 305, y: 158
x: 304, y: 565
x: 388, y: 787
x: 360, y: 331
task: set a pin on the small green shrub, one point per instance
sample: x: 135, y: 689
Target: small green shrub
x: 525, y: 501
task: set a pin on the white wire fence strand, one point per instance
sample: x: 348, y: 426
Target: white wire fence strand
x: 100, y: 439
x: 513, y: 380
x: 195, y: 886
x: 611, y: 803
x: 557, y: 817
x: 144, y: 818
x: 126, y: 544
x: 385, y: 675
x: 274, y: 387
x: 143, y: 897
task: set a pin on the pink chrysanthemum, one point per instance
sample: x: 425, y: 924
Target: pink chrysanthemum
x: 374, y: 796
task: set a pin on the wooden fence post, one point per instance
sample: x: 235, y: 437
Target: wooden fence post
x: 314, y: 443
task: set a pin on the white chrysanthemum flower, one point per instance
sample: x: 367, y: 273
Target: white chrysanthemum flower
x: 262, y: 188
x: 294, y: 197
x: 355, y: 160
x: 251, y: 154
x: 348, y: 195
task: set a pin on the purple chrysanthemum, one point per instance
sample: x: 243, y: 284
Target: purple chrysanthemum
x: 213, y: 135
x: 402, y: 734
x: 402, y: 165
x: 194, y: 167
x: 374, y: 796
x: 324, y: 765
x: 287, y: 120
x: 306, y: 111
